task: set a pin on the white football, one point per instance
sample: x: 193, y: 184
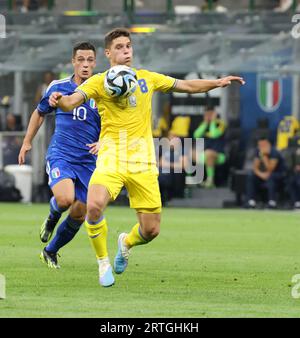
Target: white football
x: 120, y: 81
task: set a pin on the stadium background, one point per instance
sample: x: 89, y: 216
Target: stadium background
x: 182, y: 39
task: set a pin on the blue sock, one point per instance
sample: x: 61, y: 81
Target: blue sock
x: 65, y: 232
x: 55, y: 210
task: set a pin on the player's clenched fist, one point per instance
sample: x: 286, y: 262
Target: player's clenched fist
x: 53, y: 99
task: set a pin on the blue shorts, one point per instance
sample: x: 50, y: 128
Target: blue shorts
x: 58, y: 169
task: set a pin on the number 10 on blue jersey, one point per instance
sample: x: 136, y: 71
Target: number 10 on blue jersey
x: 80, y: 113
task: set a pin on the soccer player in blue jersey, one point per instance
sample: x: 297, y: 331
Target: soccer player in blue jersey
x: 71, y: 156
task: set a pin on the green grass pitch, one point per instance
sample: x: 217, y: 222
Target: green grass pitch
x: 205, y: 263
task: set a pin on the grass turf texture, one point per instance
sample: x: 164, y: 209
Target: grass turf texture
x: 205, y: 263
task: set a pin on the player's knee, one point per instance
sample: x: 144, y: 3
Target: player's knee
x: 151, y: 232
x: 64, y: 202
x: 94, y: 210
x: 150, y: 227
x: 78, y: 214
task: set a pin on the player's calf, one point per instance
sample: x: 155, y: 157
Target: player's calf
x: 150, y: 233
x: 50, y: 222
x: 47, y: 229
x: 97, y: 232
x: 149, y: 225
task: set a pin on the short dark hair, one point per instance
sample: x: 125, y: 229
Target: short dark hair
x: 263, y: 137
x: 114, y: 34
x: 85, y: 45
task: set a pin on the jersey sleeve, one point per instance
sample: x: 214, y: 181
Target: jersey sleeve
x: 162, y: 83
x: 91, y: 88
x: 43, y: 107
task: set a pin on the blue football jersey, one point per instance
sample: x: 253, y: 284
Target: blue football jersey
x: 73, y: 130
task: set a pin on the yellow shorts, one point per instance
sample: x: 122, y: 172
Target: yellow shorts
x: 142, y: 187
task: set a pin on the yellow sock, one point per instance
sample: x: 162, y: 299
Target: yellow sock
x: 134, y: 237
x: 98, y: 237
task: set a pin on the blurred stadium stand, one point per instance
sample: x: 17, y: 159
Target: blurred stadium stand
x: 149, y: 5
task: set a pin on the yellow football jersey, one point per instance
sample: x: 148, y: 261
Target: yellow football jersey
x: 126, y: 123
x: 286, y: 129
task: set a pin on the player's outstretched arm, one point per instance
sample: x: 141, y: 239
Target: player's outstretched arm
x: 66, y: 103
x: 35, y: 122
x: 201, y: 86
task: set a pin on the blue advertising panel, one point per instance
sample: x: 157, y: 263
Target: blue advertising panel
x: 265, y: 95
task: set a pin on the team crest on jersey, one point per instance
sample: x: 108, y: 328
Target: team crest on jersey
x: 132, y: 100
x: 93, y: 104
x: 55, y: 173
x: 269, y: 92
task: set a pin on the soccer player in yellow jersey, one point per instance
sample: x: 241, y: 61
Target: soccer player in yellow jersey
x: 287, y: 129
x: 126, y: 156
